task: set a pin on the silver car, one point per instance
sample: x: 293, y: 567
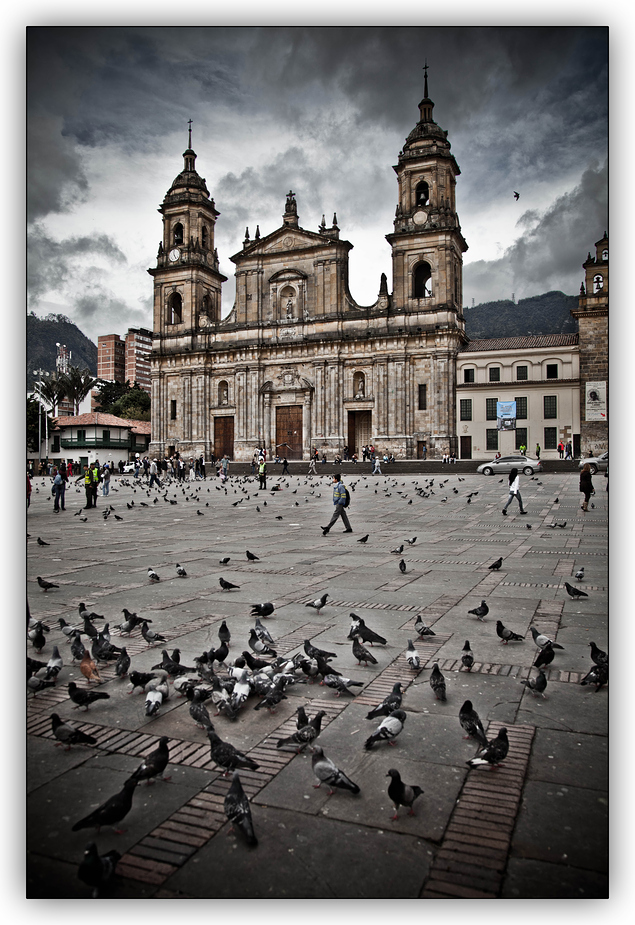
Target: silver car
x: 597, y: 463
x: 524, y: 464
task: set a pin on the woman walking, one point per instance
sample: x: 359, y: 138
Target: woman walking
x: 514, y: 482
x: 586, y: 485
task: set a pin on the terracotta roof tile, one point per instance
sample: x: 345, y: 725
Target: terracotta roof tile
x: 99, y: 418
x: 524, y: 342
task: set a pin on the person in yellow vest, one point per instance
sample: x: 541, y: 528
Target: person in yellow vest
x: 262, y: 472
x: 95, y: 470
x: 87, y: 478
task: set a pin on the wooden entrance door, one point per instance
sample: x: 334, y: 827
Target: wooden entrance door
x: 466, y: 447
x: 359, y: 431
x: 224, y: 437
x: 289, y: 431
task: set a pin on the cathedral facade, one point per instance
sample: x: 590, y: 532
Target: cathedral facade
x: 298, y: 365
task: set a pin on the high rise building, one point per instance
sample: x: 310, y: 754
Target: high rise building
x: 124, y: 359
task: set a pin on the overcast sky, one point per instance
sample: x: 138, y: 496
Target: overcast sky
x: 323, y: 111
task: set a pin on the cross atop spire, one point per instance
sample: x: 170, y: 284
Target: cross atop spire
x: 189, y: 140
x: 425, y: 79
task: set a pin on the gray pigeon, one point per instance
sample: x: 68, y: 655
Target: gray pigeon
x: 493, y: 753
x: 541, y: 640
x: 536, y: 685
x: 467, y: 659
x: 328, y: 773
x: 402, y: 794
x: 388, y: 729
x: 437, y: 683
x: 97, y: 870
x: 238, y: 811
x: 388, y: 704
x: 471, y: 723
x: 412, y: 656
x: 480, y: 612
x: 421, y: 629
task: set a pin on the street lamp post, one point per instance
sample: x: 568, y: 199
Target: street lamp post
x: 40, y: 372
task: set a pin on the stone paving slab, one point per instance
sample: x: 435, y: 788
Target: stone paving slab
x: 475, y: 833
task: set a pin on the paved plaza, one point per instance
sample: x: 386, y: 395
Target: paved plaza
x: 535, y: 827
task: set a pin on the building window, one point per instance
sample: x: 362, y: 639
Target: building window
x: 223, y: 393
x: 56, y: 444
x: 466, y: 409
x: 423, y: 397
x: 468, y: 375
x: 551, y: 438
x: 552, y: 370
x: 521, y: 436
x: 422, y: 194
x: 521, y: 372
x: 177, y: 234
x: 521, y: 409
x: 421, y: 281
x: 598, y: 283
x: 81, y: 435
x: 173, y: 410
x: 550, y: 404
x: 494, y: 374
x: 491, y: 437
x: 605, y: 254
x: 105, y: 436
x: 490, y: 409
x: 175, y: 309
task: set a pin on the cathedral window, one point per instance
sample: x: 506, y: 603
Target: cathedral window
x: 287, y: 301
x: 223, y: 393
x: 175, y: 309
x: 598, y: 283
x: 173, y: 410
x: 423, y: 397
x: 421, y: 281
x: 422, y: 194
x: 177, y: 234
x: 204, y: 237
x: 605, y: 254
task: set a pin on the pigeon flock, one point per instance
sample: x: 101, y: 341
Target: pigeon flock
x: 251, y: 669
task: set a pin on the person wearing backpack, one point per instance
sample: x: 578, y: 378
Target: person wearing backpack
x: 341, y: 500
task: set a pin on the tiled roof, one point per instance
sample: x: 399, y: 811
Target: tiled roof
x: 522, y: 343
x: 101, y: 419
x: 141, y: 427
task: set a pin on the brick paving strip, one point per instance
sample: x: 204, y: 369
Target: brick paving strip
x: 471, y: 860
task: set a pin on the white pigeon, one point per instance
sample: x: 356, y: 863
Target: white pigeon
x: 580, y: 574
x: 152, y: 575
x: 319, y: 603
x: 412, y: 656
x: 180, y: 571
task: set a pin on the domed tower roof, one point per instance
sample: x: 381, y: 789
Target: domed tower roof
x: 426, y: 131
x: 189, y: 179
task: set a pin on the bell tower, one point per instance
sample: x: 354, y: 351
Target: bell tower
x: 187, y: 281
x: 427, y: 244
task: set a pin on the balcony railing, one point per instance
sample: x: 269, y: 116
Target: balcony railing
x: 113, y: 442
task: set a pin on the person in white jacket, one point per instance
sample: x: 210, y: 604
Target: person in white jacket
x: 514, y: 482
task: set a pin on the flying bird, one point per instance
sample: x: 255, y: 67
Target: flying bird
x: 238, y: 812
x: 328, y: 773
x: 496, y: 565
x: 437, y: 683
x: 480, y: 612
x: 574, y: 592
x: 112, y: 811
x: 516, y: 196
x: 402, y: 794
x: 388, y: 729
x: 471, y: 723
x: 493, y: 753
x: 506, y: 635
x: 97, y: 870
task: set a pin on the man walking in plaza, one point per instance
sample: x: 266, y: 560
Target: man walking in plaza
x: 339, y: 502
x: 154, y: 476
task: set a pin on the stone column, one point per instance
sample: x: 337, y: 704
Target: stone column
x: 267, y: 423
x: 306, y: 425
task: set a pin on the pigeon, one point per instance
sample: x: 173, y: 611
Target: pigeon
x: 363, y: 539
x: 579, y: 575
x: 45, y: 585
x: 251, y: 557
x: 237, y: 810
x: 319, y: 604
x: 471, y: 723
x: 35, y: 684
x: 598, y: 675
x: 467, y: 659
x: 541, y: 640
x: 122, y: 664
x: 180, y: 571
x: 152, y: 575
x: 401, y: 794
x: 263, y: 633
x: 67, y: 734
x: 155, y: 763
x: 507, y: 635
x: 339, y: 684
x: 224, y: 634
x: 598, y: 656
x: 397, y: 551
x: 77, y: 647
x: 328, y: 773
x: 358, y: 626
x: 112, y: 811
x: 313, y: 651
x: 218, y: 655
x: 402, y: 567
x: 254, y: 664
x: 226, y: 756
x: 155, y: 697
x: 97, y: 870
x: 421, y: 628
x: 198, y: 710
x: 494, y: 752
x: 516, y: 196
x: 496, y: 565
x: 391, y: 702
x: 258, y: 646
x: 84, y: 698
x: 536, y: 685
x: 412, y: 541
x: 480, y: 612
x: 227, y: 585
x: 151, y: 637
x: 574, y: 592
x: 545, y: 656
x: 88, y: 667
x: 361, y: 653
x: 88, y: 614
x: 41, y: 542
x: 388, y: 729
x: 54, y: 665
x: 36, y: 635
x: 224, y: 561
x: 261, y: 610
x: 437, y: 683
x: 304, y: 736
x: 140, y: 679
x: 412, y: 656
x: 66, y: 628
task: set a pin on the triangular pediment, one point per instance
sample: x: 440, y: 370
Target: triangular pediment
x: 287, y: 238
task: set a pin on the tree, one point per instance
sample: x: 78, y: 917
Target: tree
x: 77, y: 384
x: 33, y: 429
x: 110, y: 392
x: 134, y: 405
x: 52, y: 391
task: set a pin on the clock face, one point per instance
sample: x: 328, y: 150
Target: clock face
x: 174, y: 254
x: 420, y: 217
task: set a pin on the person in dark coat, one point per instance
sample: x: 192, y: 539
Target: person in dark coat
x: 586, y: 485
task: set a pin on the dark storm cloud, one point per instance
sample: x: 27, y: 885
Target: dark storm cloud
x: 550, y: 254
x: 99, y: 305
x: 51, y: 266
